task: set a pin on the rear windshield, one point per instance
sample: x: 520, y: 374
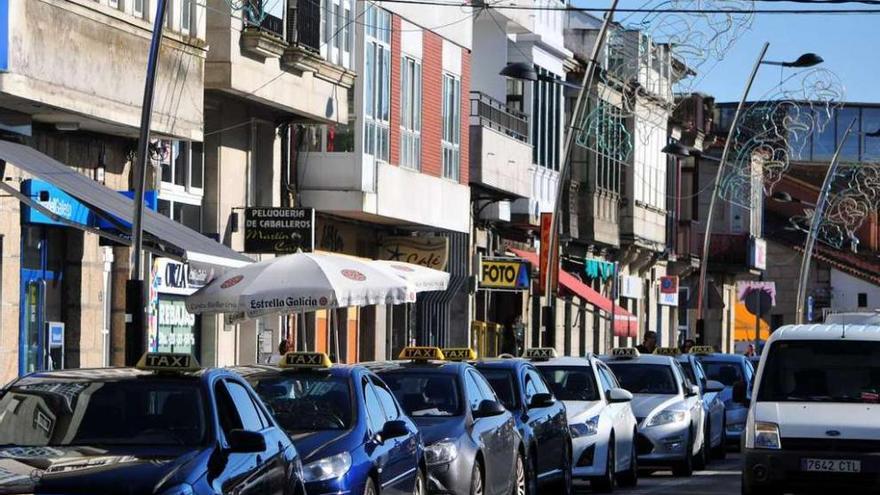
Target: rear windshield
x: 645, y: 378
x: 725, y: 372
x: 574, y: 383
x: 426, y: 394
x: 821, y: 371
x: 154, y: 412
x: 307, y: 401
x: 503, y: 383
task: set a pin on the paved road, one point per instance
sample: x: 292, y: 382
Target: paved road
x: 720, y: 478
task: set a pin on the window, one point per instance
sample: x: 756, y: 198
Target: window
x: 182, y: 181
x: 411, y: 113
x: 389, y: 405
x: 187, y: 16
x: 571, y: 382
x: 114, y: 4
x: 251, y: 418
x: 474, y: 394
x: 870, y: 124
x: 375, y: 417
x: 646, y: 378
x: 502, y: 382
x: 546, y: 119
x: 610, y: 142
x: 377, y: 81
x: 294, y: 397
x: 863, y: 300
x: 426, y: 394
x: 139, y: 8
x: 451, y: 140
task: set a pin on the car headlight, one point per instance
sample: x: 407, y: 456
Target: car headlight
x: 767, y: 436
x: 327, y: 468
x: 666, y: 417
x: 586, y: 429
x: 181, y: 489
x: 442, y: 452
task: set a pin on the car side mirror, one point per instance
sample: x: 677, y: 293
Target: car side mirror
x: 488, y: 409
x: 394, y: 429
x: 541, y: 400
x: 739, y: 393
x: 618, y: 395
x: 692, y: 390
x: 246, y: 442
x: 714, y: 386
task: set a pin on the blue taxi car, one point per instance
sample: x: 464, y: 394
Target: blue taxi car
x: 163, y: 428
x: 350, y: 430
x: 471, y: 443
x: 540, y: 419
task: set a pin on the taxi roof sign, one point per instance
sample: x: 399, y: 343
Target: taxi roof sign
x: 667, y: 351
x: 168, y: 362
x: 625, y: 352
x: 540, y: 353
x: 305, y: 360
x: 460, y: 354
x: 702, y: 349
x: 422, y: 353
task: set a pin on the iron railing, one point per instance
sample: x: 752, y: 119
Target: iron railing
x: 495, y: 115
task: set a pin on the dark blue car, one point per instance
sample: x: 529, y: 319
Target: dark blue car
x: 540, y: 419
x: 167, y: 428
x: 353, y: 436
x: 471, y: 442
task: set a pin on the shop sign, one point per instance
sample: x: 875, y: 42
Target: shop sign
x: 151, y: 201
x: 758, y: 253
x: 173, y: 277
x: 631, y: 287
x: 279, y: 230
x: 546, y: 258
x: 505, y: 274
x: 669, y: 290
x: 177, y: 332
x: 429, y: 251
x: 53, y: 199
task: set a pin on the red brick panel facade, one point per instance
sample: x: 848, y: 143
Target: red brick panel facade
x: 465, y: 111
x: 432, y: 88
x: 395, y: 90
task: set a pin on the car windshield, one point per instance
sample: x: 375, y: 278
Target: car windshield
x: 155, y: 412
x: 822, y: 371
x: 728, y: 373
x: 502, y: 382
x: 307, y: 401
x: 645, y: 378
x: 426, y: 394
x: 575, y: 383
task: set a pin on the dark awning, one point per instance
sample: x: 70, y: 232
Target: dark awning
x: 161, y: 234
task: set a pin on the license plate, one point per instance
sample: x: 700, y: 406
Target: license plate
x: 831, y: 465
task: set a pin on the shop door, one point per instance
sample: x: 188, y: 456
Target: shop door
x: 41, y: 278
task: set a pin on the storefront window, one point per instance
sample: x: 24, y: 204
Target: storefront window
x: 177, y: 328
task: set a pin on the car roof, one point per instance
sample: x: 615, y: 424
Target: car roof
x: 566, y: 361
x: 432, y: 366
x: 502, y: 363
x: 642, y: 359
x: 826, y: 332
x: 340, y: 370
x: 107, y: 374
x: 723, y: 357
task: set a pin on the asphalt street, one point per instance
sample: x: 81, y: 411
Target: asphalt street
x: 720, y: 478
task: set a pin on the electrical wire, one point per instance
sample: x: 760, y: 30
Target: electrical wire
x: 568, y: 8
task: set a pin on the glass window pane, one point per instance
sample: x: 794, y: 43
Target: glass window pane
x: 250, y: 417
x: 871, y: 124
x: 850, y: 150
x: 370, y: 79
x: 823, y: 136
x: 180, y: 155
x: 375, y: 415
x: 196, y: 176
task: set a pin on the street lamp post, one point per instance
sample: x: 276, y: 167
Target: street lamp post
x: 806, y: 60
x: 815, y: 223
x: 135, y: 299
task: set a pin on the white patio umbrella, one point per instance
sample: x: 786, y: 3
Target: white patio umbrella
x: 422, y: 278
x: 298, y: 283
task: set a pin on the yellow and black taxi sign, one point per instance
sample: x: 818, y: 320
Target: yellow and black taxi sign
x: 168, y: 361
x: 422, y: 354
x: 460, y: 354
x: 702, y: 349
x: 305, y: 360
x: 667, y: 351
x: 540, y: 353
x: 625, y: 352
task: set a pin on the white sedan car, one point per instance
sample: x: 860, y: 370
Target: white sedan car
x: 602, y: 424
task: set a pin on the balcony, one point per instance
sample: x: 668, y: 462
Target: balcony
x: 500, y: 153
x: 725, y: 250
x: 303, y: 49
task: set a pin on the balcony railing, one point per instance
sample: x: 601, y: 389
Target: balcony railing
x: 495, y: 115
x: 256, y: 15
x: 304, y: 23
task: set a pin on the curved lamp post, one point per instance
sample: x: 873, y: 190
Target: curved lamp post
x: 805, y: 60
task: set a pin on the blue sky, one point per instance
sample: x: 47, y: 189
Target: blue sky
x: 846, y: 42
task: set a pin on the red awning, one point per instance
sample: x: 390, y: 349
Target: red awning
x: 625, y: 324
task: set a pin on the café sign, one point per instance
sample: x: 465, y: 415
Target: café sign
x: 432, y: 252
x: 279, y: 230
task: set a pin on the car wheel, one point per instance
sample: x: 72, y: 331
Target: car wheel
x: 477, y: 479
x: 370, y: 487
x: 531, y: 474
x: 702, y: 457
x: 563, y: 485
x: 420, y: 488
x: 605, y: 483
x: 520, y: 483
x: 630, y: 477
x: 685, y: 467
x: 720, y: 452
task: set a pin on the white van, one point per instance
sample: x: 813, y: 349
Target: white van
x: 814, y: 418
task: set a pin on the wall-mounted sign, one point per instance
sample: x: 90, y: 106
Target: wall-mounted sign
x: 546, y: 258
x: 631, y: 287
x: 53, y: 199
x: 669, y: 290
x: 177, y: 328
x: 151, y: 201
x: 758, y: 253
x: 173, y: 277
x: 279, y: 230
x: 429, y: 251
x: 505, y: 274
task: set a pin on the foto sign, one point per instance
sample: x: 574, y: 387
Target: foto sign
x: 279, y: 230
x: 505, y: 274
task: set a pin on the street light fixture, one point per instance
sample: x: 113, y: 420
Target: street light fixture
x: 802, y: 62
x: 678, y: 150
x: 520, y: 70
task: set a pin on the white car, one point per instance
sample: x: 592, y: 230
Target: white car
x: 813, y: 419
x: 667, y: 406
x: 602, y: 423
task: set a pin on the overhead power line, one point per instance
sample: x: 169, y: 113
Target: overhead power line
x: 441, y: 3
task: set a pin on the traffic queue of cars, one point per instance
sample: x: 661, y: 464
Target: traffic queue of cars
x: 433, y: 421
